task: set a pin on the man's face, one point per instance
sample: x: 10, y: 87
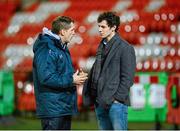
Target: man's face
x: 69, y: 33
x: 104, y: 29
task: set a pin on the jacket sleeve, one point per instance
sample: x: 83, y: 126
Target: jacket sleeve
x: 48, y: 74
x: 127, y: 68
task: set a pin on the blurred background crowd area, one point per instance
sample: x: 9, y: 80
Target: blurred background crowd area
x: 151, y: 26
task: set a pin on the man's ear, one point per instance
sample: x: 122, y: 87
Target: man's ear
x: 62, y: 32
x: 114, y: 27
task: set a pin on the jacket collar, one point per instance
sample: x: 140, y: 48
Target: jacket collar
x: 54, y: 37
x: 48, y: 32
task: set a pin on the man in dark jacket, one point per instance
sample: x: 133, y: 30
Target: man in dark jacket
x: 54, y: 78
x: 111, y: 76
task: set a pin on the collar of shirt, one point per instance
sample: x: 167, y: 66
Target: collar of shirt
x: 105, y: 42
x: 64, y: 46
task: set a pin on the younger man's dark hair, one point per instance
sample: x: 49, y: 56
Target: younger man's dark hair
x: 111, y: 18
x: 59, y: 23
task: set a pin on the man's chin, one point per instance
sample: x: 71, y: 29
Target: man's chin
x: 102, y: 36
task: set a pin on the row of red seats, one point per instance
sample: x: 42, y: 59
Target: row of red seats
x: 158, y: 16
x: 173, y: 53
x: 32, y: 8
x: 91, y: 5
x: 82, y: 52
x: 83, y: 7
x: 30, y: 29
x: 20, y: 38
x: 20, y: 77
x: 26, y: 102
x: 174, y: 3
x: 147, y: 27
x: 168, y: 65
x: 171, y: 39
x: 139, y: 5
x: 9, y: 6
x: 2, y: 47
x: 7, y: 10
x: 25, y: 65
x: 5, y: 16
x: 132, y: 38
x: 168, y: 39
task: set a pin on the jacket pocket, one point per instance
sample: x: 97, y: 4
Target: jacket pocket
x: 113, y: 85
x: 66, y: 98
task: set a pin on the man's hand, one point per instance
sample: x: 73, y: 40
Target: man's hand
x: 79, y: 77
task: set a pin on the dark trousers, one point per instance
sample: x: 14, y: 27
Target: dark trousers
x: 56, y: 123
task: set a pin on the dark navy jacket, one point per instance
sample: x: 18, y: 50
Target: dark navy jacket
x: 55, y: 92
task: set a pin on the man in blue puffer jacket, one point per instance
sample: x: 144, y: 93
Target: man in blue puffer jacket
x: 54, y: 78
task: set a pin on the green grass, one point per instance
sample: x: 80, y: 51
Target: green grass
x: 78, y: 123
x: 20, y: 123
x: 34, y: 124
x: 29, y: 122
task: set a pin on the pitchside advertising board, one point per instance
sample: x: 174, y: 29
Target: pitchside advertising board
x: 148, y: 97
